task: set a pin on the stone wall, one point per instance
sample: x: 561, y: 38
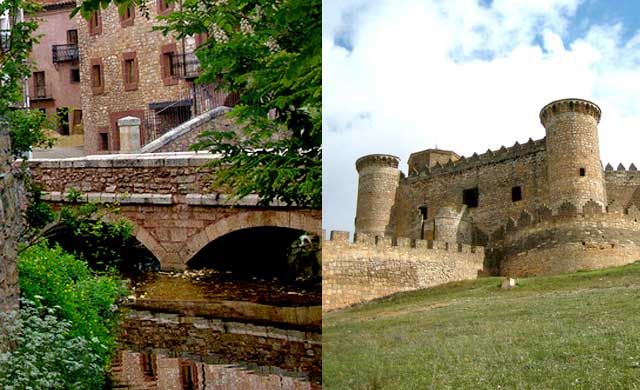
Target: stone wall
x: 260, y: 345
x: 11, y: 200
x: 545, y: 242
x: 494, y: 173
x: 182, y: 137
x: 170, y: 173
x: 377, y: 184
x: 372, y: 267
x: 623, y: 187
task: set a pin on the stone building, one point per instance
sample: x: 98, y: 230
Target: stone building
x: 511, y: 200
x: 544, y: 207
x: 128, y: 70
x: 54, y: 86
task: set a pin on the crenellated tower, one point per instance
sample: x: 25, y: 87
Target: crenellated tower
x: 378, y: 181
x: 573, y: 154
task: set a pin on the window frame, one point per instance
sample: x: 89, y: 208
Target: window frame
x: 167, y: 78
x: 128, y: 21
x: 97, y: 89
x: 130, y: 85
x: 95, y: 23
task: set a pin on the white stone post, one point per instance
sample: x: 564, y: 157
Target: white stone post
x: 129, y: 128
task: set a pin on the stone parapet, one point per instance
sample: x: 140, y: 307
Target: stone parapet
x: 372, y: 266
x: 490, y: 157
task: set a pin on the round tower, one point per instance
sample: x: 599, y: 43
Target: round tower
x: 573, y: 153
x: 379, y: 177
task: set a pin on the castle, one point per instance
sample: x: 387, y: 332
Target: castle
x: 543, y: 207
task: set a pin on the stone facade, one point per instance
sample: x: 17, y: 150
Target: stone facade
x: 108, y: 47
x: 167, y: 199
x: 372, y: 267
x: 543, y: 207
x: 11, y: 201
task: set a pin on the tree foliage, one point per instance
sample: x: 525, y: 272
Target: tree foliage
x: 26, y: 127
x: 269, y: 52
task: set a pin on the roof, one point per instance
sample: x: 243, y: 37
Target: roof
x: 54, y: 4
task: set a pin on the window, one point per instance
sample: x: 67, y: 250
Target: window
x: 104, y: 141
x: 168, y: 63
x: 424, y: 211
x: 126, y: 19
x: 62, y: 113
x: 516, y: 193
x: 188, y: 375
x: 39, y: 85
x: 583, y: 172
x: 95, y: 23
x: 164, y: 7
x: 97, y: 77
x: 470, y: 197
x: 75, y: 75
x: 76, y: 118
x: 130, y: 71
x: 72, y: 37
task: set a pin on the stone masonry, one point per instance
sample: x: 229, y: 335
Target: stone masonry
x: 108, y: 46
x: 374, y: 266
x: 11, y: 201
x: 543, y: 207
x: 167, y: 199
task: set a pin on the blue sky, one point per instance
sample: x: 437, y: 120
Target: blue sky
x: 401, y: 76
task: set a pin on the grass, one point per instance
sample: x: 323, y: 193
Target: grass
x: 574, y: 331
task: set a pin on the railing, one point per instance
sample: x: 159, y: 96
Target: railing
x: 40, y: 92
x: 5, y: 40
x: 64, y: 53
x: 186, y: 65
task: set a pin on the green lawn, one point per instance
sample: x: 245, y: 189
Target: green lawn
x: 575, y: 331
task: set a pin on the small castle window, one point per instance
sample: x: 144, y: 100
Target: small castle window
x: 516, y: 193
x: 583, y: 172
x: 424, y: 211
x: 470, y: 197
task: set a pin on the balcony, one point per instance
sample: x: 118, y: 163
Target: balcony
x: 65, y: 53
x: 5, y: 40
x: 186, y: 66
x: 40, y: 92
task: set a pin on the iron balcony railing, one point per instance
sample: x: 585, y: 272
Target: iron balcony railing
x: 186, y: 65
x: 5, y: 40
x: 64, y: 53
x: 40, y: 92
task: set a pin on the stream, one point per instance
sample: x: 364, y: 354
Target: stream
x: 213, y: 330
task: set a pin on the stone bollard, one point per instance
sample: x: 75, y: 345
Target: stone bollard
x: 508, y: 283
x: 129, y: 128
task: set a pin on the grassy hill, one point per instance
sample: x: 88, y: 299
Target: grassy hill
x: 574, y: 331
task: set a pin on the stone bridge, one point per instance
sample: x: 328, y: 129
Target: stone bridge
x: 166, y: 197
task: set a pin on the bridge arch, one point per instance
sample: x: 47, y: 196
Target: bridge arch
x: 295, y: 220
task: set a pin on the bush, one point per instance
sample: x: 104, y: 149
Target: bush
x: 53, y: 278
x: 45, y: 357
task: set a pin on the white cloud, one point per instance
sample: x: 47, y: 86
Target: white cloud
x: 463, y: 77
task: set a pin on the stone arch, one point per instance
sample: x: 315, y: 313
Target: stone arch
x: 142, y: 235
x: 249, y: 219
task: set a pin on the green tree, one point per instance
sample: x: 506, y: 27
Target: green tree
x: 26, y: 127
x: 270, y: 53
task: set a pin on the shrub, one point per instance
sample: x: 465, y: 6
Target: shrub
x: 45, y: 356
x: 53, y: 278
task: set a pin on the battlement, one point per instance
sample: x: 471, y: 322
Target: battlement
x: 544, y: 216
x: 569, y: 105
x: 487, y: 158
x: 620, y: 168
x: 384, y: 160
x: 370, y: 241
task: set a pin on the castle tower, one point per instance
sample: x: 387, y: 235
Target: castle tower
x: 379, y: 177
x: 573, y: 154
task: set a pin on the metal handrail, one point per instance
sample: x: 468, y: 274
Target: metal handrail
x: 66, y: 52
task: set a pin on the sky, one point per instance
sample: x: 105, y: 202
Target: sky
x: 400, y: 76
